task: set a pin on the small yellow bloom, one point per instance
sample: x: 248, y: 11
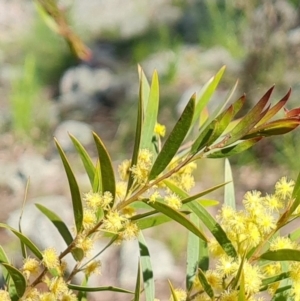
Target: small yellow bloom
x: 295, y: 271
x: 273, y: 202
x: 173, y: 201
x: 30, y: 266
x: 86, y: 244
x: 123, y: 170
x: 226, y: 265
x: 114, y: 221
x: 141, y: 170
x: 93, y: 268
x: 282, y: 243
x: 180, y: 295
x: 130, y: 231
x: 229, y: 295
x: 214, y: 279
x: 160, y: 129
x: 253, y: 278
x: 92, y: 199
x: 32, y: 294
x: 154, y: 196
x: 121, y: 188
x: 69, y: 296
x: 57, y: 286
x: 284, y: 188
x: 48, y: 297
x: 128, y: 211
x: 4, y: 296
x: 50, y: 258
x: 295, y: 291
x: 89, y: 219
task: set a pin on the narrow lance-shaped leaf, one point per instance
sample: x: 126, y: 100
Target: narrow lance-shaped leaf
x: 233, y: 150
x: 250, y: 119
x: 295, y: 195
x: 205, y: 284
x: 59, y: 224
x: 277, y: 127
x: 150, y: 117
x: 144, y: 88
x: 85, y: 158
x: 174, y: 140
x: 97, y: 184
x: 173, y: 293
x: 147, y: 270
x: 74, y: 188
x: 17, y: 277
x: 137, y: 290
x: 214, y: 228
x: 107, y: 172
x: 242, y: 291
x: 229, y: 196
x: 206, y: 93
x: 204, y: 137
x: 275, y: 109
x: 25, y: 240
x: 282, y: 255
x: 192, y: 254
x: 98, y: 289
x: 138, y: 133
x: 178, y: 217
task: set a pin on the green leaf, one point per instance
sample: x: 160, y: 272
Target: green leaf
x: 144, y: 88
x: 57, y: 222
x: 250, y: 119
x: 25, y: 240
x: 295, y: 195
x: 152, y: 221
x: 75, y: 193
x: 242, y: 291
x: 173, y: 292
x: 206, y: 93
x: 206, y: 286
x: 107, y: 172
x: 178, y: 217
x: 294, y: 235
x: 150, y: 116
x: 147, y: 270
x: 273, y: 279
x: 204, y: 137
x: 3, y: 258
x: 62, y: 229
x: 85, y: 158
x: 282, y: 255
x: 17, y: 277
x: 196, y: 255
x: 98, y: 289
x: 185, y: 196
x: 214, y: 228
x: 229, y: 195
x: 137, y: 291
x: 234, y: 149
x: 174, y: 140
x: 138, y: 134
x: 97, y: 184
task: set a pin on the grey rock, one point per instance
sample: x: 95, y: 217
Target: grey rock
x: 81, y: 130
x: 162, y: 261
x: 122, y: 19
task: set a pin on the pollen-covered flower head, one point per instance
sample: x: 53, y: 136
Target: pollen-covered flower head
x: 89, y: 219
x: 30, y: 266
x: 284, y: 188
x: 160, y: 129
x: 173, y: 201
x: 50, y: 258
x: 141, y: 170
x: 180, y: 295
x: 95, y: 200
x: 4, y: 296
x: 123, y: 170
x: 86, y: 244
x: 114, y: 221
x: 93, y: 268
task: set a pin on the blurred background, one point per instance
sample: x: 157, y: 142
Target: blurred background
x: 46, y: 91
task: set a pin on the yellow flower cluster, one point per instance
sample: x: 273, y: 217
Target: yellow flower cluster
x: 141, y: 170
x: 183, y: 178
x: 248, y: 229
